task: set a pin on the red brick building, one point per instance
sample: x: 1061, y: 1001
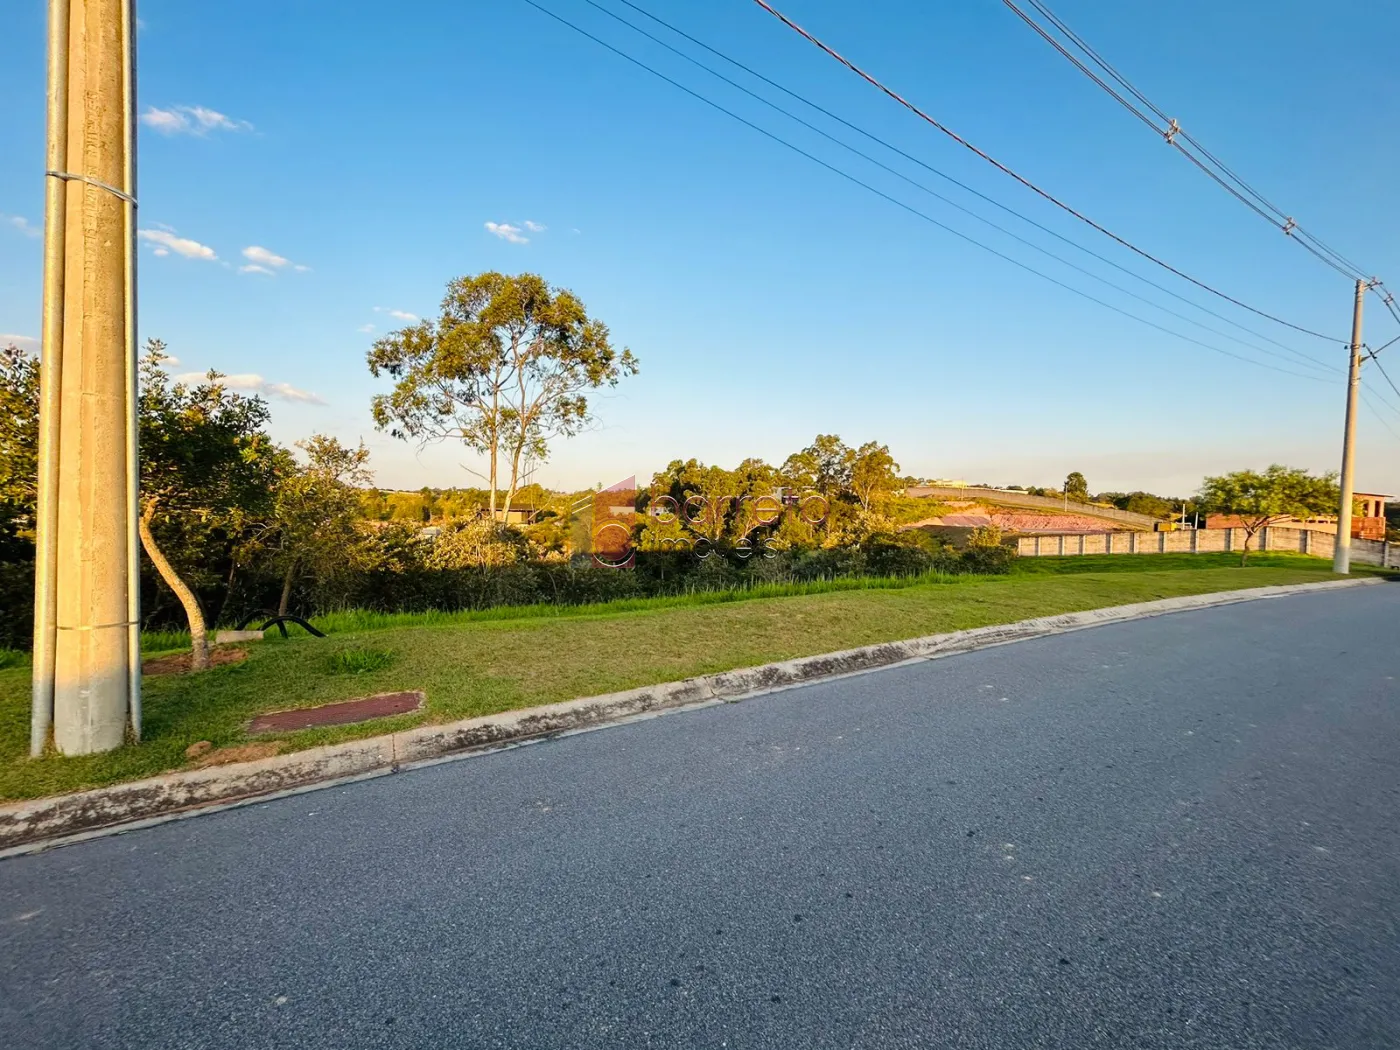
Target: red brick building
x: 1367, y: 523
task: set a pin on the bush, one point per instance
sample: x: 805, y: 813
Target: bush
x: 360, y: 660
x: 17, y: 604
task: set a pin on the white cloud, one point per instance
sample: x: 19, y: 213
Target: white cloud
x: 399, y: 315
x: 535, y: 227
x: 180, y: 245
x: 263, y: 256
x: 23, y: 225
x: 265, y: 260
x: 161, y: 251
x: 506, y: 232
x: 366, y: 328
x: 190, y: 120
x: 24, y: 342
x: 256, y: 384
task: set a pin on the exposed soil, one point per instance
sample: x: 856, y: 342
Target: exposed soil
x: 179, y: 663
x: 225, y: 756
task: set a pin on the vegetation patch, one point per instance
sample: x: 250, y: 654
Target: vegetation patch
x: 359, y: 660
x: 477, y: 664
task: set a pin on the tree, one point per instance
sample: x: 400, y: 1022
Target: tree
x: 505, y: 369
x: 19, y: 448
x: 206, y: 463
x: 873, y: 473
x: 823, y: 466
x: 1259, y: 499
x: 315, y: 509
x: 1076, y: 487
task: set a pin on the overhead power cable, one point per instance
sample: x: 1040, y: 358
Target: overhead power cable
x: 903, y: 205
x: 942, y: 175
x: 1378, y: 349
x: 1305, y: 358
x: 1175, y: 136
x: 827, y: 49
x: 1381, y: 368
x: 1380, y: 418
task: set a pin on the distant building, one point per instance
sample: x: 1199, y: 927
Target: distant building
x: 516, y: 514
x: 1367, y: 522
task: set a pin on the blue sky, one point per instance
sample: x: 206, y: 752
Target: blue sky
x: 364, y: 149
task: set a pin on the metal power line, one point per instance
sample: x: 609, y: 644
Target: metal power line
x: 1024, y: 181
x: 1171, y: 130
x: 902, y: 204
x: 864, y: 133
x: 1305, y: 358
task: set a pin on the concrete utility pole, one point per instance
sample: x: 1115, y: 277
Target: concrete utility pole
x: 87, y: 601
x: 1341, y: 558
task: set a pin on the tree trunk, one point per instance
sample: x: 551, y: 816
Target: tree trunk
x: 1244, y: 551
x: 286, y: 598
x: 228, y: 592
x: 199, y: 635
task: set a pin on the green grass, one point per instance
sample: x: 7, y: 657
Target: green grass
x: 480, y: 663
x: 359, y: 660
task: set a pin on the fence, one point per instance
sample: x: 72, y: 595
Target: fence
x: 1025, y: 499
x: 1205, y: 541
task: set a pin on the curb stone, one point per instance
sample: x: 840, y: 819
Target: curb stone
x: 37, y: 824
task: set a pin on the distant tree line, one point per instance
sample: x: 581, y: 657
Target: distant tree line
x: 233, y: 523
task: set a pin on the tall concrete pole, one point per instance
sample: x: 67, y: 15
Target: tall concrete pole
x: 85, y: 589
x: 1341, y: 557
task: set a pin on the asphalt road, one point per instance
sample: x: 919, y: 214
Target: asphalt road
x: 1178, y: 832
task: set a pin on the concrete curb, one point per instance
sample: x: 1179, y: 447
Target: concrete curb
x: 41, y: 823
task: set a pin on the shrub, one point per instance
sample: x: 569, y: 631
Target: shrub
x: 360, y: 660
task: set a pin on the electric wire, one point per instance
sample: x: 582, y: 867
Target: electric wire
x: 1026, y: 182
x: 1381, y: 368
x: 935, y: 171
x: 1383, y: 346
x: 1305, y: 358
x: 1380, y: 418
x: 1174, y: 135
x: 905, y: 206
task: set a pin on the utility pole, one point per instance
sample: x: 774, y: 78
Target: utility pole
x: 1341, y: 557
x: 86, y: 685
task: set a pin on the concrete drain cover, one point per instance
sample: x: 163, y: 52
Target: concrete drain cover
x: 344, y: 713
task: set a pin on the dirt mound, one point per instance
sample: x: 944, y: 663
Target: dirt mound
x: 179, y: 663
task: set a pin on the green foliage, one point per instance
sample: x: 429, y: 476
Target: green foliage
x: 1076, y: 487
x: 316, y: 508
x: 204, y: 452
x: 505, y: 369
x: 359, y: 660
x: 1140, y: 502
x: 477, y: 543
x: 19, y: 443
x: 208, y: 474
x: 874, y: 473
x: 823, y: 466
x: 1259, y: 498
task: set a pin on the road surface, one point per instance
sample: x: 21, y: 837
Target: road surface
x: 1177, y: 832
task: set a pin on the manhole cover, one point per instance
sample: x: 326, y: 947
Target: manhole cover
x: 343, y: 713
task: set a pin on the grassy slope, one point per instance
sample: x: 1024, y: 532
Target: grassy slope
x: 483, y: 663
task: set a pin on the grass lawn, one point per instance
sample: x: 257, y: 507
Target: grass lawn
x: 479, y: 663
